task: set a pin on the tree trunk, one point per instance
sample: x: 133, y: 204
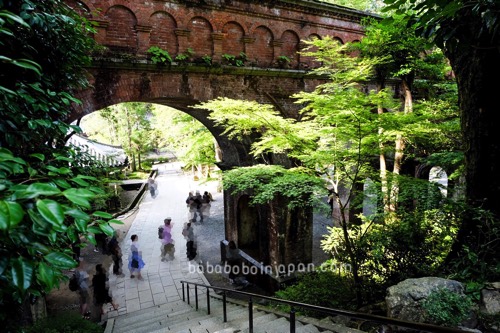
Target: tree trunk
x: 477, y: 68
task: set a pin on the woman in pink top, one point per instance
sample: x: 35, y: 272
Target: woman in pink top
x: 167, y: 243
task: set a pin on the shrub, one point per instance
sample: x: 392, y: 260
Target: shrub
x: 447, y: 308
x: 321, y: 288
x: 65, y: 323
x: 159, y: 56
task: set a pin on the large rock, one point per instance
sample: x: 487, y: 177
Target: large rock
x: 404, y: 299
x: 490, y: 299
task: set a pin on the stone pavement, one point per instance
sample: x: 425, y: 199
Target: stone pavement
x: 161, y: 283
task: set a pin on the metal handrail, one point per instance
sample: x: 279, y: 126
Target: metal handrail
x: 294, y: 305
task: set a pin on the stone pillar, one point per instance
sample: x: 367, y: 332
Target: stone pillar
x: 248, y: 41
x: 143, y: 36
x: 217, y: 41
x: 276, y: 44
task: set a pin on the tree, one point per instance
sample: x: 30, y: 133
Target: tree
x: 131, y: 126
x: 366, y: 5
x: 47, y: 189
x: 399, y: 53
x: 337, y: 138
x: 469, y: 34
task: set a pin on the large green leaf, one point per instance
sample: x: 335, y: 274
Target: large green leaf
x: 77, y: 214
x: 46, y: 275
x: 51, y: 211
x: 107, y: 229
x: 79, y: 196
x: 103, y: 215
x: 40, y: 248
x: 22, y: 272
x: 11, y: 213
x: 62, y: 170
x: 62, y: 183
x: 115, y: 221
x: 81, y: 225
x: 80, y: 181
x: 38, y: 189
x: 40, y: 225
x: 60, y: 260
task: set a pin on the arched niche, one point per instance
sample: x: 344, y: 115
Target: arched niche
x: 262, y: 47
x: 120, y: 33
x: 163, y: 32
x: 232, y: 43
x: 200, y: 36
x: 290, y: 47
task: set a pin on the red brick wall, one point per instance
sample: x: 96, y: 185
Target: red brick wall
x: 264, y: 30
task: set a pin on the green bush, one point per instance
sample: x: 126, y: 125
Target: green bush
x: 159, y: 56
x: 321, y: 288
x: 65, y: 323
x: 447, y: 308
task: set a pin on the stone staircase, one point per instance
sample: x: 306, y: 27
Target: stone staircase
x: 181, y: 317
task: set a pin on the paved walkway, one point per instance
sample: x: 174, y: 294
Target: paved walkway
x: 161, y: 282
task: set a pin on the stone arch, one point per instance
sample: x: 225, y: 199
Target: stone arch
x: 163, y: 32
x: 232, y: 43
x: 290, y: 47
x: 120, y: 33
x: 338, y: 39
x: 262, y: 48
x: 200, y: 36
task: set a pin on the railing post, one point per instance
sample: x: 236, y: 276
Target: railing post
x: 196, y: 296
x: 250, y: 315
x: 208, y: 300
x: 292, y: 320
x: 187, y: 291
x: 183, y: 295
x: 224, y: 306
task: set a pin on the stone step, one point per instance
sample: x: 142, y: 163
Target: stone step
x: 151, y: 314
x: 309, y: 328
x: 204, y: 323
x: 159, y: 322
x: 279, y: 325
x: 180, y: 317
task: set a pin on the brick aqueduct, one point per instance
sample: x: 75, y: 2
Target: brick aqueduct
x: 263, y: 30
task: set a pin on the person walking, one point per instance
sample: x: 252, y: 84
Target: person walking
x: 167, y: 243
x: 196, y: 206
x: 135, y: 263
x: 116, y: 255
x: 188, y: 234
x: 83, y: 288
x: 153, y: 187
x: 205, y: 205
x: 191, y: 207
x: 101, y: 289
